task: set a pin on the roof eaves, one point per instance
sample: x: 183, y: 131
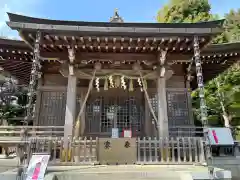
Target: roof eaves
x: 26, y: 19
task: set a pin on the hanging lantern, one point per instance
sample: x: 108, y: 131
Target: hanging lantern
x: 117, y: 82
x: 105, y: 84
x: 130, y: 85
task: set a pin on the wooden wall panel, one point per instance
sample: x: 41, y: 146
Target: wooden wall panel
x: 176, y: 82
x: 54, y: 80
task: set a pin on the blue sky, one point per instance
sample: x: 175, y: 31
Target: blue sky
x: 93, y: 10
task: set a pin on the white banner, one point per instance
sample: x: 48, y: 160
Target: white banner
x: 37, y: 166
x: 127, y: 133
x: 115, y: 133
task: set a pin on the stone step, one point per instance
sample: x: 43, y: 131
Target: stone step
x: 119, y: 176
x: 126, y: 172
x: 134, y: 172
x: 128, y: 175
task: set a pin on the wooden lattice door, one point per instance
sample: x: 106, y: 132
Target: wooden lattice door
x: 114, y: 108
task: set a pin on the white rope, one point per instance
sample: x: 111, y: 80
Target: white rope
x: 114, y: 74
x: 148, y: 100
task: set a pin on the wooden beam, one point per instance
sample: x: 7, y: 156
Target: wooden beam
x: 114, y: 56
x: 101, y: 56
x: 84, y: 73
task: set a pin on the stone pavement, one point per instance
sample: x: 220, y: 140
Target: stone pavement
x: 116, y: 172
x: 129, y: 172
x: 8, y: 164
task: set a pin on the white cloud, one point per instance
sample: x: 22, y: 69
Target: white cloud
x: 25, y: 7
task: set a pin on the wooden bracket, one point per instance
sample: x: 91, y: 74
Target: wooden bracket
x: 71, y: 55
x: 162, y: 57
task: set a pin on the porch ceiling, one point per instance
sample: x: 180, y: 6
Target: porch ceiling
x: 115, y: 45
x: 16, y: 58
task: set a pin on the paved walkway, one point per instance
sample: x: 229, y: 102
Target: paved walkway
x: 110, y: 172
x: 8, y: 164
x: 125, y: 172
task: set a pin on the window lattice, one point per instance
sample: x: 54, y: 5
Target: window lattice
x: 178, y: 110
x: 104, y: 113
x: 52, y: 110
x: 154, y: 103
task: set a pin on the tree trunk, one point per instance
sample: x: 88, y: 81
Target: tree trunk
x: 227, y: 119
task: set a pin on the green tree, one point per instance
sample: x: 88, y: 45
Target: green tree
x: 13, y: 100
x: 222, y: 93
x: 222, y: 98
x: 178, y: 11
x: 189, y: 11
x: 232, y: 25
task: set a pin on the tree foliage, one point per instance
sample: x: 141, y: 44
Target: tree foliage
x: 232, y: 26
x: 225, y: 88
x: 227, y: 93
x: 188, y: 11
x: 13, y: 100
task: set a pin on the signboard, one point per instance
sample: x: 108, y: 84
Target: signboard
x: 220, y: 136
x: 115, y: 133
x: 37, y: 166
x: 127, y: 133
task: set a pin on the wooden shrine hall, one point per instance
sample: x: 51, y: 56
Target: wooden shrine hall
x: 91, y: 77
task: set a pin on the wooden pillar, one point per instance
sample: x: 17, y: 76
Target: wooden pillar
x: 162, y: 99
x: 70, y: 107
x: 162, y: 107
x: 71, y: 101
x: 83, y: 122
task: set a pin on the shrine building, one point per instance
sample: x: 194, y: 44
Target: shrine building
x: 91, y: 77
